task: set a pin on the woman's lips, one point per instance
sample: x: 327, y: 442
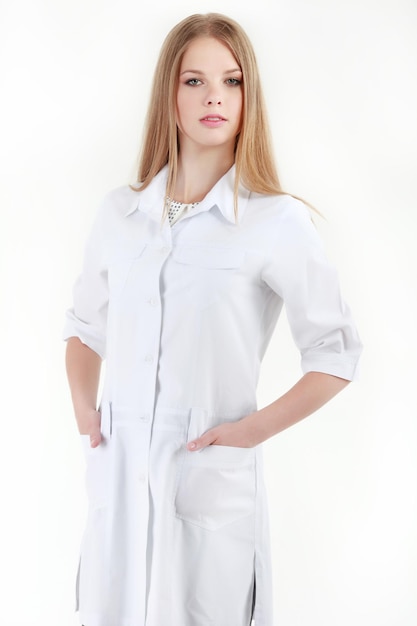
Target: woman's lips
x: 213, y: 121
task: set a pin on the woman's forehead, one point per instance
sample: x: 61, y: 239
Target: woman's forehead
x: 206, y: 52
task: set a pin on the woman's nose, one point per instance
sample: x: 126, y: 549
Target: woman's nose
x: 213, y: 97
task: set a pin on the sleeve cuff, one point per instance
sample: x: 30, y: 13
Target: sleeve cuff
x: 86, y: 334
x: 344, y: 367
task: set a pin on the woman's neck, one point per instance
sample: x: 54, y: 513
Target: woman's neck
x: 198, y: 173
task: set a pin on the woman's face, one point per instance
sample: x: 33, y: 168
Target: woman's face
x: 209, y: 98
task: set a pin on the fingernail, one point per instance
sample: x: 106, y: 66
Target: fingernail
x: 192, y: 445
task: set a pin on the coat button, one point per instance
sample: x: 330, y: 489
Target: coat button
x: 144, y: 418
x: 149, y: 358
x: 153, y: 301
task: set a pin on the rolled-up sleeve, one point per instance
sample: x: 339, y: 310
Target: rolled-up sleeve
x: 87, y: 319
x: 298, y: 270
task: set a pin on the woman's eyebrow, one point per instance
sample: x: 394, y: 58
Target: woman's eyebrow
x: 200, y: 73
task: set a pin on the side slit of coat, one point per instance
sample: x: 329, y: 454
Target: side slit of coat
x: 253, y: 602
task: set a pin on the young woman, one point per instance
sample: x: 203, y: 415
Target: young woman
x: 184, y: 278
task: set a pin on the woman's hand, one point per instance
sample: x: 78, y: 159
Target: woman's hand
x: 310, y: 393
x: 240, y: 434
x: 89, y: 424
x: 83, y: 369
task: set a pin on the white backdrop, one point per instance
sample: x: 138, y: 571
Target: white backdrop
x: 340, y: 83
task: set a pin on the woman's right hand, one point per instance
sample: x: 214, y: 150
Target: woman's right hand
x: 89, y: 424
x: 83, y: 369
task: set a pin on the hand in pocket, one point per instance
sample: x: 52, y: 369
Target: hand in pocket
x: 89, y: 424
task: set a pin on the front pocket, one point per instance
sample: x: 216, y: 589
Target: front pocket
x: 217, y: 486
x: 97, y: 472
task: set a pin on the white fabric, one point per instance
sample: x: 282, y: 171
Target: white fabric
x: 184, y: 317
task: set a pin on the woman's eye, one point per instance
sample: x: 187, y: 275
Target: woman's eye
x: 233, y: 81
x: 193, y: 81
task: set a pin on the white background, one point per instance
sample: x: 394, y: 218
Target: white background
x: 340, y: 83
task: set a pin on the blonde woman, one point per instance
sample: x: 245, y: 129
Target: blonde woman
x: 185, y: 275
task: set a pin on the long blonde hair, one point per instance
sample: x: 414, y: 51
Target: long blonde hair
x: 254, y: 161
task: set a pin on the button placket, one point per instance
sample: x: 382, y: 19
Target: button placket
x: 152, y: 319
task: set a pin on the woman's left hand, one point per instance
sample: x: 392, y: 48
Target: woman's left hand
x: 309, y: 394
x: 240, y: 434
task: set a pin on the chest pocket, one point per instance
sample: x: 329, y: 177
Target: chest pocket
x: 125, y: 270
x: 207, y: 273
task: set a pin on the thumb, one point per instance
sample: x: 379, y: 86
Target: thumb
x: 95, y: 436
x: 202, y: 442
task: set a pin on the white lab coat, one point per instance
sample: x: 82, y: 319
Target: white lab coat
x: 183, y: 316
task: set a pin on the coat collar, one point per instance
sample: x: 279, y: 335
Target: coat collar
x: 221, y: 195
